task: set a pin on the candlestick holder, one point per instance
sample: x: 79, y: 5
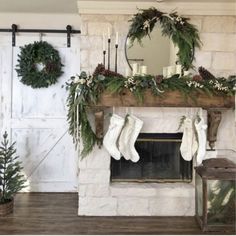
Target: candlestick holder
x: 116, y: 46
x: 109, y: 52
x: 104, y: 58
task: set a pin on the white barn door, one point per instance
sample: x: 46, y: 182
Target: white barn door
x: 36, y: 118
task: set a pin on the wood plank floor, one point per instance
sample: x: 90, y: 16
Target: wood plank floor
x: 56, y: 213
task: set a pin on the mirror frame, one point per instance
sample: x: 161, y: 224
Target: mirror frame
x: 183, y: 34
x: 126, y: 54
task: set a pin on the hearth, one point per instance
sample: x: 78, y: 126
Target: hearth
x: 160, y: 161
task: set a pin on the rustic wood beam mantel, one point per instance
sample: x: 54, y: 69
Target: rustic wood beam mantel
x: 213, y: 104
x: 168, y: 99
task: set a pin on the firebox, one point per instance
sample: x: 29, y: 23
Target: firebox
x: 160, y: 161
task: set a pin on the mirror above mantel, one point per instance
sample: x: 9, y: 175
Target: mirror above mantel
x: 154, y: 52
x: 163, y: 42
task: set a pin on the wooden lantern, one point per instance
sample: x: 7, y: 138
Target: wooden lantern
x: 215, y: 194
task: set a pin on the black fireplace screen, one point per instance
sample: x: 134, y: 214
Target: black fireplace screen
x: 160, y: 161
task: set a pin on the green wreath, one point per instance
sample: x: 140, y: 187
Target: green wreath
x: 183, y: 34
x: 36, y: 55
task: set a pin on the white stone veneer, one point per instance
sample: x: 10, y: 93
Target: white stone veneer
x: 97, y: 196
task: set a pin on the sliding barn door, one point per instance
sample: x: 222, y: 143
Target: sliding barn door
x: 36, y: 118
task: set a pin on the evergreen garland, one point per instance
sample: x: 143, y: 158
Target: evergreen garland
x: 222, y: 202
x: 84, y: 91
x: 11, y: 180
x: 183, y: 34
x: 39, y: 53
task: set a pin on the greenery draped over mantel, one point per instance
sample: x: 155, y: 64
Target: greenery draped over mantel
x: 184, y: 35
x: 85, y: 91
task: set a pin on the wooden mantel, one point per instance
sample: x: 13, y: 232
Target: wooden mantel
x: 213, y: 104
x: 169, y: 99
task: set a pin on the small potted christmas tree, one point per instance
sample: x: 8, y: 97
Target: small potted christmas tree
x: 11, y: 179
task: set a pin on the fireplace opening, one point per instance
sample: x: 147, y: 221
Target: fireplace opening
x: 160, y: 161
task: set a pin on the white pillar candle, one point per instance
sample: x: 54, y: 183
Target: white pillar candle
x: 143, y: 70
x: 168, y: 74
x: 170, y: 71
x: 135, y: 68
x: 178, y: 69
x: 127, y: 72
x: 103, y: 42
x: 117, y: 38
x: 108, y: 33
x: 128, y: 42
x: 186, y: 72
x: 164, y: 71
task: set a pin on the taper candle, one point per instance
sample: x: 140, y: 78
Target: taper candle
x: 103, y: 42
x: 108, y: 33
x: 116, y: 46
x: 117, y: 38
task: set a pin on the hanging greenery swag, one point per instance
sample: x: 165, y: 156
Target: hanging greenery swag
x: 183, y: 34
x: 85, y: 91
x: 36, y: 55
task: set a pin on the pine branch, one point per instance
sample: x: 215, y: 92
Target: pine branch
x: 11, y: 181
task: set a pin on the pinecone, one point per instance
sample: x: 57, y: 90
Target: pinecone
x: 111, y: 73
x: 205, y: 74
x: 99, y: 70
x: 158, y: 78
x: 197, y: 78
x: 50, y: 67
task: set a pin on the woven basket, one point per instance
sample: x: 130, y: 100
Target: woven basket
x: 6, y: 208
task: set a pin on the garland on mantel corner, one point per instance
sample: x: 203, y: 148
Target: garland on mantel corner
x: 183, y: 34
x: 85, y: 90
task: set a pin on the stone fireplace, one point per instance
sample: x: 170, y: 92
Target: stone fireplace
x: 98, y: 195
x: 101, y: 196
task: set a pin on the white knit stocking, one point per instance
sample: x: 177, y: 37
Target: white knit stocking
x: 112, y: 135
x: 128, y: 138
x: 202, y: 139
x: 137, y: 128
x: 189, y: 143
x: 125, y: 136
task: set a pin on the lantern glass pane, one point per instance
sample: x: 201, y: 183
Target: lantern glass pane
x: 221, y: 202
x: 199, y: 196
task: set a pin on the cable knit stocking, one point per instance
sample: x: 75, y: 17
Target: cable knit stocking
x: 202, y: 139
x: 137, y: 128
x: 189, y: 143
x: 128, y: 138
x: 112, y: 135
x: 125, y: 136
